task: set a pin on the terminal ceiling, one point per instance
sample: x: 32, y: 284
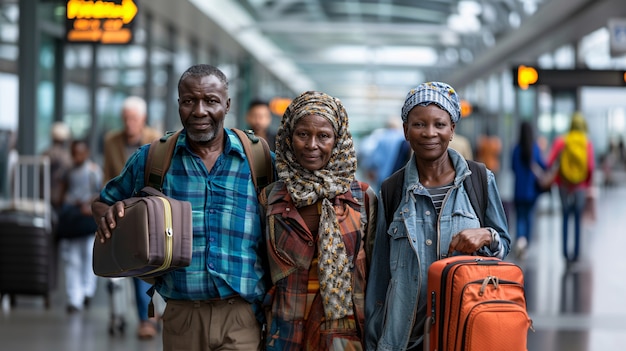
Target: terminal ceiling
x: 370, y: 53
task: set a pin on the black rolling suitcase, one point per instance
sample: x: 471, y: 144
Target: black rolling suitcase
x: 27, y: 247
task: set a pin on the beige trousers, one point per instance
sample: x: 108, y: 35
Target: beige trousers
x: 227, y: 324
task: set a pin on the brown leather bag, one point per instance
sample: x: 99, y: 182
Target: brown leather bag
x: 154, y: 237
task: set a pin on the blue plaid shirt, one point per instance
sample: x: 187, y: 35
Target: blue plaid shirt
x: 226, y: 221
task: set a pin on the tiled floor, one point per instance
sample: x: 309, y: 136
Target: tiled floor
x: 577, y: 308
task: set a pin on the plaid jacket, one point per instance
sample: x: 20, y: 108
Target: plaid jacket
x: 291, y: 250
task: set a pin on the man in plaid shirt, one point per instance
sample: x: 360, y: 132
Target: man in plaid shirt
x: 213, y: 303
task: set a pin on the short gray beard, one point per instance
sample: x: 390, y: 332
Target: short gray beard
x: 203, y: 138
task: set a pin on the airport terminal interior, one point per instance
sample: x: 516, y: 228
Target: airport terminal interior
x: 510, y: 61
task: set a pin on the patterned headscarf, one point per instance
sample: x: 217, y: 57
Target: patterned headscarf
x: 307, y: 187
x: 438, y: 93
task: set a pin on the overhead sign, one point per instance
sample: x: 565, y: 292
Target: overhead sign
x: 525, y: 76
x: 100, y: 21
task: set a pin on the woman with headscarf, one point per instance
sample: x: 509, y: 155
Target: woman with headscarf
x: 574, y: 178
x: 319, y: 219
x: 434, y: 219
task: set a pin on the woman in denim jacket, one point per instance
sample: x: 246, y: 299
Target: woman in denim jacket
x: 434, y: 220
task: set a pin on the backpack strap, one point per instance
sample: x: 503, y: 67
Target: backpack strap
x: 159, y: 159
x: 258, y: 153
x: 476, y: 187
x: 391, y: 193
x: 370, y: 205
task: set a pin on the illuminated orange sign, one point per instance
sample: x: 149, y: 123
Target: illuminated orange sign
x: 526, y: 76
x: 279, y: 105
x: 100, y: 21
x: 466, y: 108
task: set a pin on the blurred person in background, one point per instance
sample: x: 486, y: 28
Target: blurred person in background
x: 488, y: 150
x: 8, y: 159
x: 78, y: 188
x: 318, y: 219
x: 526, y: 158
x: 461, y: 144
x: 613, y: 162
x: 383, y: 152
x: 573, y: 153
x: 119, y: 145
x: 60, y: 160
x: 259, y: 119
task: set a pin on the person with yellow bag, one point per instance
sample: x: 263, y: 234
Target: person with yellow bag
x: 575, y: 156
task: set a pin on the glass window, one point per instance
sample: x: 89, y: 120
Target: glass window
x: 9, y: 35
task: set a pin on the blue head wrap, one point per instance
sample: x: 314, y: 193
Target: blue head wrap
x: 441, y: 94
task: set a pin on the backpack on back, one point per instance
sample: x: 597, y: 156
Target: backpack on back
x: 475, y: 185
x: 257, y: 151
x: 573, y: 160
x: 473, y: 303
x: 160, y: 157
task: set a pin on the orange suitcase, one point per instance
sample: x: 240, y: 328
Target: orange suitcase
x: 476, y: 303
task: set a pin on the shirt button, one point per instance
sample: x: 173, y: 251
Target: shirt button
x: 429, y: 242
x: 287, y: 209
x: 428, y: 213
x: 310, y: 243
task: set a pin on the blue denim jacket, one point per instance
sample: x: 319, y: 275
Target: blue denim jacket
x: 405, y: 248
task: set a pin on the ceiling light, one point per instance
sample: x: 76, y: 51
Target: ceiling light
x: 463, y: 23
x: 449, y: 38
x: 347, y: 54
x: 469, y: 8
x: 514, y: 19
x: 394, y: 55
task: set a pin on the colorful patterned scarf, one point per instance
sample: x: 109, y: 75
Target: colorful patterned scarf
x: 308, y: 187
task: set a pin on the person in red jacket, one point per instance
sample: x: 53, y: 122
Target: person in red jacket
x: 572, y: 194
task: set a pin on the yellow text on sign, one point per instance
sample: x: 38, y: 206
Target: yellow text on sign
x: 125, y: 11
x: 100, y: 21
x: 526, y: 76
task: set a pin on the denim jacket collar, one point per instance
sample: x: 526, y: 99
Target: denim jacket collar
x: 458, y: 163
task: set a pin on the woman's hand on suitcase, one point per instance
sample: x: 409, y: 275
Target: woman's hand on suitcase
x: 106, y: 218
x: 469, y: 241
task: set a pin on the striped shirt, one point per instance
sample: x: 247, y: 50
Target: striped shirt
x: 437, y: 194
x: 226, y: 221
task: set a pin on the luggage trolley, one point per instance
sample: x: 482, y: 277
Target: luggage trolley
x: 27, y: 246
